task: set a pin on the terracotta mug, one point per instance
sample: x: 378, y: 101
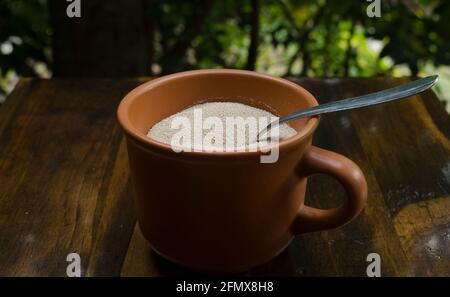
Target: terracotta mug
x: 227, y: 212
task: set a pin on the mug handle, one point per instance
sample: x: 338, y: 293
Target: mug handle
x: 317, y: 160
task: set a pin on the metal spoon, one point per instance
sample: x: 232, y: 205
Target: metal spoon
x: 380, y: 97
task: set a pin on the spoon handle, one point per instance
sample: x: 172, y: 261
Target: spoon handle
x: 383, y: 96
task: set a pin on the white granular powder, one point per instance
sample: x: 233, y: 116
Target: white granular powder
x: 163, y: 131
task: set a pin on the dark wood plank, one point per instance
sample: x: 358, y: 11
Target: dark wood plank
x: 64, y: 178
x: 407, y: 145
x: 65, y: 185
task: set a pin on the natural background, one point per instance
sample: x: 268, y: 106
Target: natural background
x: 315, y: 38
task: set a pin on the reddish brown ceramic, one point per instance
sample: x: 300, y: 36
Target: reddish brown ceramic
x: 227, y: 212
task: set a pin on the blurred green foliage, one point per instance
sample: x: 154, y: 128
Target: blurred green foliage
x: 25, y: 38
x: 296, y: 37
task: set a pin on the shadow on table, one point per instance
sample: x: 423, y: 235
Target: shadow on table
x: 281, y: 265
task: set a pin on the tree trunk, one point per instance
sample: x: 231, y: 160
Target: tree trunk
x: 254, y: 35
x: 112, y: 38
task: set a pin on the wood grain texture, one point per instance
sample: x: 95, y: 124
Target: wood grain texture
x: 64, y: 178
x: 64, y: 185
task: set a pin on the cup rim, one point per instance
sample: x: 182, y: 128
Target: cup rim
x: 148, y: 143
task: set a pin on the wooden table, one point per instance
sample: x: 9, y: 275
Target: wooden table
x: 65, y: 187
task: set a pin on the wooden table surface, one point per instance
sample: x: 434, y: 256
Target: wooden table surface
x: 65, y: 187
